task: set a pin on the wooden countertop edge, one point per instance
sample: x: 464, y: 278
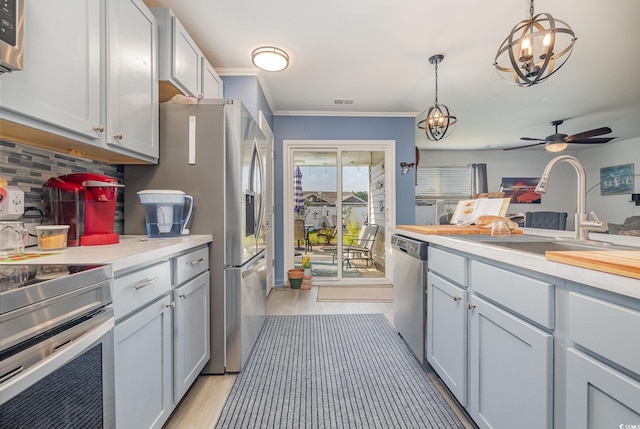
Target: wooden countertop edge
x: 607, y: 266
x: 450, y: 229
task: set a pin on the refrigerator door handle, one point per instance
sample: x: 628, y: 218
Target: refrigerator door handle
x: 251, y: 271
x: 253, y: 266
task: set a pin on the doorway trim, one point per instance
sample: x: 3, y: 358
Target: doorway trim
x: 288, y: 149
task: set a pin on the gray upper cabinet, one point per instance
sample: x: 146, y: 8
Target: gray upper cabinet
x: 89, y: 84
x: 132, y: 82
x: 211, y: 82
x: 182, y: 67
x: 60, y: 83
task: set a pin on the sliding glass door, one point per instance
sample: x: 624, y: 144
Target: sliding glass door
x: 338, y: 213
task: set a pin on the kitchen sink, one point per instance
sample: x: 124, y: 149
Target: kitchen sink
x: 540, y: 245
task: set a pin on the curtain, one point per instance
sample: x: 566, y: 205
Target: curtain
x: 479, y: 179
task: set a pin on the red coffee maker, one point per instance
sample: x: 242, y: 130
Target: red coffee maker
x: 87, y: 203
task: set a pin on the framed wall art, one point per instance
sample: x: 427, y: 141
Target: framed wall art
x: 617, y: 179
x: 521, y: 190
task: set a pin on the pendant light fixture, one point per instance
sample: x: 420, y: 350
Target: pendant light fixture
x: 270, y: 58
x: 438, y: 120
x: 535, y: 49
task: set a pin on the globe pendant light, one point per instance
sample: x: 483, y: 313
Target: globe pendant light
x: 535, y: 49
x: 439, y: 120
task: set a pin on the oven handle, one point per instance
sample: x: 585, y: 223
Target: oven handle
x: 61, y: 356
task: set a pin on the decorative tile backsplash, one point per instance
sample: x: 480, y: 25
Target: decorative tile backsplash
x: 30, y: 167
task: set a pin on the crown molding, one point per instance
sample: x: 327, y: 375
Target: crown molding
x: 253, y: 71
x: 237, y: 71
x: 346, y: 114
x: 250, y: 71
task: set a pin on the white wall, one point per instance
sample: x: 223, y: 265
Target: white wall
x: 562, y: 193
x: 612, y: 208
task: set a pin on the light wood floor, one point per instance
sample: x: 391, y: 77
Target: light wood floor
x: 202, y: 405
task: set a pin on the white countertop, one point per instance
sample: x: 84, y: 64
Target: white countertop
x: 131, y: 251
x: 614, y: 283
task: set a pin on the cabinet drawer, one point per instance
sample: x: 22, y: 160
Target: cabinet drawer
x: 135, y: 289
x: 449, y: 265
x: 529, y: 297
x: 191, y: 264
x: 601, y: 327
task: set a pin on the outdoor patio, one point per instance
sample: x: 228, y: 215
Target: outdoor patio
x: 324, y: 263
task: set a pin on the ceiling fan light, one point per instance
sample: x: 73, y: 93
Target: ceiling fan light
x: 270, y: 58
x: 556, y: 147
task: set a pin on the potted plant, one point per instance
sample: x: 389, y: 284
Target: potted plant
x: 306, y: 278
x: 295, y: 277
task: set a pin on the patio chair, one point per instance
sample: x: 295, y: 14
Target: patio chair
x: 362, y: 250
x: 300, y: 234
x: 329, y: 233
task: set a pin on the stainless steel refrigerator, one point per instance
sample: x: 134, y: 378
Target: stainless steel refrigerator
x: 215, y: 152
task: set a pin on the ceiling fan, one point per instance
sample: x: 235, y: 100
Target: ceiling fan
x: 558, y: 142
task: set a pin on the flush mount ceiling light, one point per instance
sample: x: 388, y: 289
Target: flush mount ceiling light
x: 437, y: 121
x: 535, y: 49
x: 270, y: 58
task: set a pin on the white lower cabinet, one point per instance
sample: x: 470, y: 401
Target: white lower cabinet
x: 161, y: 336
x: 603, y: 390
x: 191, y: 344
x: 599, y: 396
x: 447, y: 334
x: 143, y: 367
x: 510, y: 370
x: 489, y: 352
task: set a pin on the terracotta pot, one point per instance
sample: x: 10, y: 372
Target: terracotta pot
x: 295, y: 278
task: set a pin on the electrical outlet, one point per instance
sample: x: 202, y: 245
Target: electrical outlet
x: 12, y: 207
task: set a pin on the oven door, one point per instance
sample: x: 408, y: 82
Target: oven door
x: 65, y: 379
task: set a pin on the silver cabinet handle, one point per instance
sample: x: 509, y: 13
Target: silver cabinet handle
x: 197, y: 261
x: 146, y: 283
x: 11, y: 373
x: 98, y: 128
x: 456, y: 298
x: 183, y: 295
x: 117, y: 136
x: 171, y: 305
x: 471, y: 306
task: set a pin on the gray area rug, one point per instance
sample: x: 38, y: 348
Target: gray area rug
x: 334, y: 371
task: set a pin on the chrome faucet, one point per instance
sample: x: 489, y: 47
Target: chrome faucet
x: 582, y: 224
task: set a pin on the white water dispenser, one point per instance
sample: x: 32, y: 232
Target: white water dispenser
x: 165, y: 212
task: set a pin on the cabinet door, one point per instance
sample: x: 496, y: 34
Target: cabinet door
x: 132, y: 109
x: 510, y: 370
x: 143, y: 367
x: 598, y: 396
x: 447, y: 334
x: 186, y: 63
x: 191, y: 327
x: 60, y: 83
x: 211, y: 82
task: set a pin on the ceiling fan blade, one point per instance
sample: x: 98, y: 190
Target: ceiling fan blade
x: 522, y: 147
x: 593, y: 141
x: 587, y: 134
x: 532, y: 139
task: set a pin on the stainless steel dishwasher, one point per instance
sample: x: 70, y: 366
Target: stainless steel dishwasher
x: 409, y: 274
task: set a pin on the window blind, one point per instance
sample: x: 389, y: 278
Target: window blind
x: 444, y: 182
